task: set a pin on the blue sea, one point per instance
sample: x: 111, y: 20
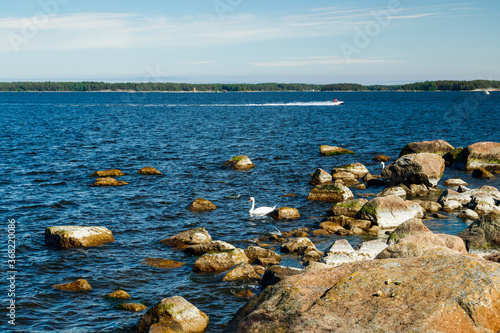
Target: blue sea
x: 51, y: 142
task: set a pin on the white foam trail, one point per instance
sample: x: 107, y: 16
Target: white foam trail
x: 200, y: 105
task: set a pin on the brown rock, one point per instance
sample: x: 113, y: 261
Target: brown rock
x: 243, y: 271
x: 455, y: 182
x: 149, y: 171
x: 214, y: 246
x: 381, y: 158
x: 290, y: 233
x: 321, y: 177
x: 297, y: 245
x: 276, y: 273
x: 107, y: 173
x: 240, y: 162
x: 134, y: 307
x: 245, y: 294
x: 162, y: 263
x: 479, y: 155
x: 439, y: 147
x: 409, y: 249
x: 254, y: 252
x: 322, y: 232
x: 201, y: 205
x: 430, y: 206
x: 482, y: 173
x: 495, y: 257
x: 187, y: 238
x: 173, y: 314
x: 335, y: 193
x: 356, y: 169
x: 347, y: 208
x: 108, y: 181
x: 333, y: 150
x: 119, y: 294
x: 285, y: 213
x: 220, y: 261
x: 422, y: 168
x: 78, y: 285
x: 301, y: 234
x: 483, y: 233
x: 453, y: 242
x: 75, y: 236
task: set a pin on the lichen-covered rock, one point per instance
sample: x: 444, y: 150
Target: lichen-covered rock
x: 108, y: 181
x: 149, y: 171
x: 285, y: 213
x: 188, y: 237
x: 298, y: 245
x: 75, y: 236
x: 78, y: 285
x: 333, y: 150
x: 334, y: 193
x: 119, y: 294
x: 162, y: 263
x: 422, y: 294
x: 173, y: 314
x: 243, y: 271
x: 422, y: 168
x: 134, y: 307
x: 201, y: 205
x: 213, y: 246
x: 107, y: 173
x: 255, y: 253
x: 389, y: 212
x: 439, y: 147
x: 240, y: 162
x: 220, y: 261
x: 407, y: 228
x: 347, y: 208
x: 483, y: 234
x: 357, y: 169
x: 393, y: 190
x: 479, y: 155
x: 321, y: 177
x: 409, y: 249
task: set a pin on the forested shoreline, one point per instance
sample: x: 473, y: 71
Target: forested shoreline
x: 88, y: 86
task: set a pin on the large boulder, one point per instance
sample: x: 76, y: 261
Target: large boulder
x: 334, y: 193
x: 321, y: 177
x: 187, y: 238
x: 347, y: 208
x: 390, y: 211
x: 298, y: 245
x: 74, y: 236
x: 422, y: 168
x: 326, y: 150
x: 357, y: 169
x: 479, y: 155
x: 202, y: 205
x: 342, y: 252
x: 410, y: 249
x: 213, y: 246
x: 261, y: 255
x: 285, y: 213
x: 276, y: 273
x: 220, y: 261
x: 240, y: 162
x: 483, y: 234
x: 243, y: 271
x: 439, y: 147
x: 422, y: 294
x: 173, y: 314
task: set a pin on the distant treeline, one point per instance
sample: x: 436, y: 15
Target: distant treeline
x: 152, y: 86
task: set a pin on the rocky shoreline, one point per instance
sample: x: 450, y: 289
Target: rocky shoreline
x: 385, y: 284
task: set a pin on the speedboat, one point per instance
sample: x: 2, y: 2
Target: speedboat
x: 337, y: 103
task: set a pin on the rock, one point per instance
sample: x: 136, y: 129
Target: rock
x: 301, y: 234
x: 462, y: 189
x: 422, y: 168
x: 134, y: 307
x: 285, y: 213
x: 335, y: 193
x: 381, y: 158
x: 312, y: 256
x: 149, y: 171
x: 356, y: 169
x: 213, y: 246
x: 439, y: 147
x: 108, y: 181
x: 482, y: 208
x: 162, y: 263
x: 297, y: 245
x: 453, y: 242
x: 407, y: 228
x: 484, y: 191
x: 376, y: 183
x: 107, y: 173
x: 119, y: 294
x: 240, y: 162
x: 344, y: 178
x: 78, y: 285
x: 451, y: 206
x: 393, y: 190
x: 290, y: 233
x: 483, y: 233
x: 341, y: 252
x: 450, y: 157
x: 469, y: 214
x: 243, y: 271
x: 333, y: 150
x: 451, y: 195
x: 321, y: 177
x: 495, y: 257
x: 322, y: 232
x: 258, y: 253
x: 439, y: 216
x: 74, y: 236
x: 245, y: 294
x: 416, y: 190
x: 482, y: 173
x: 409, y: 249
x: 201, y: 205
x: 187, y: 238
x: 479, y: 155
x: 389, y: 212
x: 430, y: 206
x: 330, y: 227
x: 341, y: 299
x: 276, y: 273
x: 454, y: 182
x: 173, y: 314
x: 347, y: 208
x: 220, y: 261
x: 360, y: 186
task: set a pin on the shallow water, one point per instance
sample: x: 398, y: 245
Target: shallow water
x: 52, y: 142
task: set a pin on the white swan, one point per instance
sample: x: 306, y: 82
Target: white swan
x: 383, y: 165
x: 261, y: 210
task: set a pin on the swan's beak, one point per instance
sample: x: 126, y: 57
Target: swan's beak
x: 249, y: 200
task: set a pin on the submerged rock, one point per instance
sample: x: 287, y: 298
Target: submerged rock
x: 78, y: 285
x: 134, y: 307
x: 422, y: 168
x: 108, y: 181
x: 149, y: 171
x: 107, y: 173
x: 439, y: 147
x: 335, y: 193
x: 119, y: 294
x: 240, y: 162
x: 162, y: 263
x: 333, y: 150
x: 479, y: 155
x: 220, y: 261
x: 214, y: 246
x: 173, y: 314
x: 187, y: 238
x: 201, y: 205
x: 381, y: 158
x: 482, y: 173
x: 321, y: 177
x: 75, y: 236
x: 422, y: 294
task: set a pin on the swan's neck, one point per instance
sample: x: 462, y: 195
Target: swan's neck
x: 253, y: 206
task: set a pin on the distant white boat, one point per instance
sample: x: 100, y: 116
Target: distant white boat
x: 486, y: 92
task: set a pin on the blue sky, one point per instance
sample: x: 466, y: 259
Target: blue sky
x: 316, y: 41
